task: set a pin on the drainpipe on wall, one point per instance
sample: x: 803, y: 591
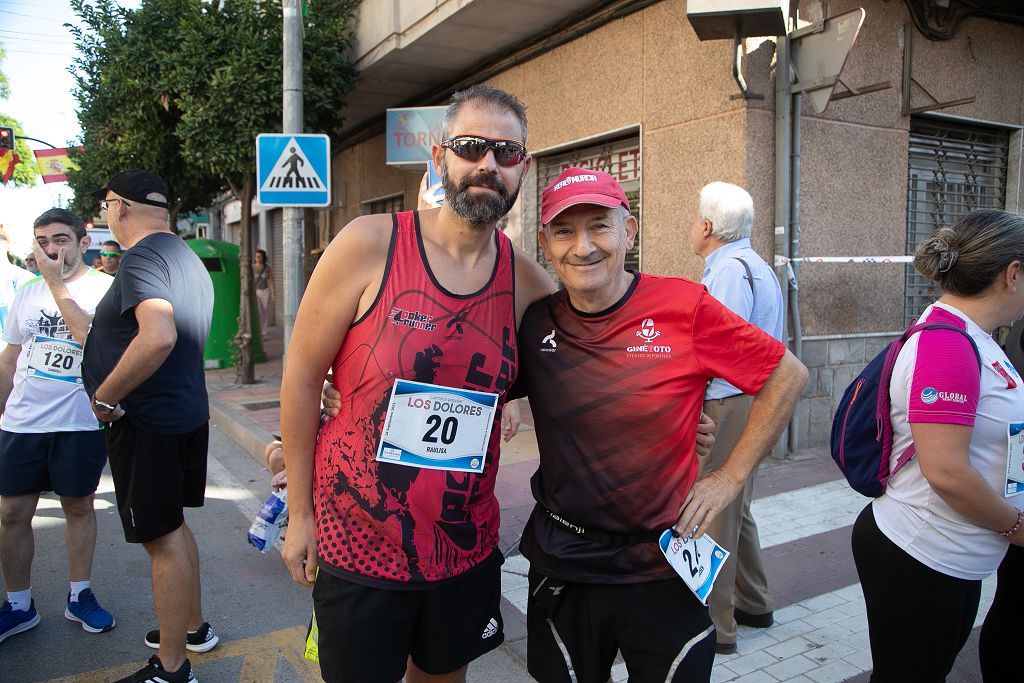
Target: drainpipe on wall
x: 783, y: 130
x: 794, y: 246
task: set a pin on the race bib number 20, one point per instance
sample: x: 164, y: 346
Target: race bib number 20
x: 435, y: 427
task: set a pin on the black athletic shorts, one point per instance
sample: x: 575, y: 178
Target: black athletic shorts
x: 661, y: 628
x: 155, y: 476
x: 366, y: 635
x: 67, y: 463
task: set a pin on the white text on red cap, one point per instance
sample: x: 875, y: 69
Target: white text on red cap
x: 575, y: 179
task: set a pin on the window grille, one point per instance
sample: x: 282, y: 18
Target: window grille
x: 385, y: 205
x: 954, y: 168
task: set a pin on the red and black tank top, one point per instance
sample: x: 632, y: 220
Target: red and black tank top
x: 386, y: 524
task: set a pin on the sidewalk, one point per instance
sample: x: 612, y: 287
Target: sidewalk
x: 804, y: 510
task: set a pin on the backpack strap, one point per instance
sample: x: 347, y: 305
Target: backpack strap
x: 894, y: 350
x: 750, y: 275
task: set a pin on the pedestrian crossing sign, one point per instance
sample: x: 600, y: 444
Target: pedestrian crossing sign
x: 293, y: 169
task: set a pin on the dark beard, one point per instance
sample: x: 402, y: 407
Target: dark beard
x: 484, y: 209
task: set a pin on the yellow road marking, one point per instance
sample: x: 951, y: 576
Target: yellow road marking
x: 261, y: 657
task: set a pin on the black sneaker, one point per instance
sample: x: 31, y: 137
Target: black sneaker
x: 753, y: 620
x: 201, y: 640
x: 154, y: 673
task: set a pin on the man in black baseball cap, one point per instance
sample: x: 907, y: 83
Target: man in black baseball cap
x: 144, y: 374
x: 139, y: 186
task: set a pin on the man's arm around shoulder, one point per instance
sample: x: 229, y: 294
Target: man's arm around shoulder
x: 343, y: 287
x: 532, y: 283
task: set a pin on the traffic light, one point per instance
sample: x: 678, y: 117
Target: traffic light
x: 6, y: 138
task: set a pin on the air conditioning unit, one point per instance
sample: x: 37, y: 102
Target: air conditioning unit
x: 727, y: 19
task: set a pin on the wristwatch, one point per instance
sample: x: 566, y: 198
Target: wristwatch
x: 102, y: 407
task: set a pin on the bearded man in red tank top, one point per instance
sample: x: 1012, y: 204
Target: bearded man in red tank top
x: 416, y: 314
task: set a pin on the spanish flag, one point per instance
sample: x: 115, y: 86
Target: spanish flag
x: 8, y: 160
x: 54, y: 164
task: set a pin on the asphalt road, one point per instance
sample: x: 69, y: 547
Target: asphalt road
x: 255, y: 608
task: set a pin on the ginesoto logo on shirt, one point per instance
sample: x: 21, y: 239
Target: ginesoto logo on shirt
x: 929, y: 395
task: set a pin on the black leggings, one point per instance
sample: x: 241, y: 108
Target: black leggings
x: 918, y: 618
x: 1000, y: 635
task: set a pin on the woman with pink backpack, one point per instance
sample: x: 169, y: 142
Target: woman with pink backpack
x: 946, y: 518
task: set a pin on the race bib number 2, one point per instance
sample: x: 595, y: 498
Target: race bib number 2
x: 697, y: 561
x: 435, y: 427
x: 55, y: 359
x: 1014, y: 459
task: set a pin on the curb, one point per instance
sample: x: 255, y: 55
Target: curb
x: 252, y: 438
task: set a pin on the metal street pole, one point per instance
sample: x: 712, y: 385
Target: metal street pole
x: 294, y: 252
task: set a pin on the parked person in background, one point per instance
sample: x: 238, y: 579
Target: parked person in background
x: 265, y: 292
x: 740, y: 279
x: 31, y: 265
x: 944, y: 523
x: 110, y: 257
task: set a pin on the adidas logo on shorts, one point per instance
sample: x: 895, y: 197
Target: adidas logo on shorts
x: 490, y: 630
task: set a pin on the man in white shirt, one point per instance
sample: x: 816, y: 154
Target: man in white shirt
x: 740, y: 279
x: 49, y: 437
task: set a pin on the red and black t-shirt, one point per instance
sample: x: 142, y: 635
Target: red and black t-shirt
x: 616, y: 398
x: 388, y: 525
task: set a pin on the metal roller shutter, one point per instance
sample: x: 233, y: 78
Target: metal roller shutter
x: 954, y: 168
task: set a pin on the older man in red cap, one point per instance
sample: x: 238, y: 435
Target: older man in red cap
x: 615, y: 366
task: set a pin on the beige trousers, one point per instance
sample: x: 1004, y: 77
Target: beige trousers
x: 742, y: 582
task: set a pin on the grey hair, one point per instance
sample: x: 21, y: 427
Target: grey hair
x: 491, y: 97
x: 967, y: 257
x: 729, y: 208
x: 64, y: 217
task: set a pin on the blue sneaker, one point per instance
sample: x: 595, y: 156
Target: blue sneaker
x: 87, y: 610
x: 16, y: 621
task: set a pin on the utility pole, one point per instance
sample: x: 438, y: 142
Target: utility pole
x: 294, y: 251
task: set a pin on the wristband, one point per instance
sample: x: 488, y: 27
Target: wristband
x: 1016, y: 527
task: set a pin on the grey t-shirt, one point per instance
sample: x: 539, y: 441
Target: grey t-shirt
x: 173, y: 399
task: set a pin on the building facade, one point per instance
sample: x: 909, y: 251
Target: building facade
x: 627, y: 87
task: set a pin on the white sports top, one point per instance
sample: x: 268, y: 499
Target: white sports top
x: 48, y: 395
x: 936, y: 380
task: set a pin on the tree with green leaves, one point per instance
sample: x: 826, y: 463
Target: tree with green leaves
x: 227, y: 74
x: 218, y: 66
x: 127, y: 114
x: 26, y: 172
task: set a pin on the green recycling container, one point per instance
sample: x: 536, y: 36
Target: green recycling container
x: 221, y: 261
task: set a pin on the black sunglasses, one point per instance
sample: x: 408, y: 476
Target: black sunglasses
x: 473, y: 148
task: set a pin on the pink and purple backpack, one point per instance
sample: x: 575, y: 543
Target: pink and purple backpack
x: 861, y: 428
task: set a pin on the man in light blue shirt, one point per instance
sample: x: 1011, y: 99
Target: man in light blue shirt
x: 740, y: 279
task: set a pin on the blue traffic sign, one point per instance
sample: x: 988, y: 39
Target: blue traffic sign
x: 293, y: 169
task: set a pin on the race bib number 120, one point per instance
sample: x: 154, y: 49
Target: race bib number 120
x: 55, y: 359
x: 438, y: 428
